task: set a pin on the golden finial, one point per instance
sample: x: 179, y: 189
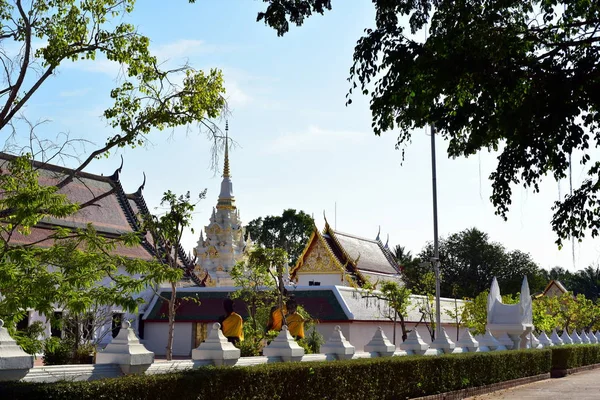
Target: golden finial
x: 226, y: 164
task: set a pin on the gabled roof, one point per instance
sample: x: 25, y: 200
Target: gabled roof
x: 365, y: 254
x: 113, y: 214
x: 353, y: 254
x: 347, y: 269
x: 553, y: 283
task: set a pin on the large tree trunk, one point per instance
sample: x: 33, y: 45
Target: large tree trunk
x: 171, y: 321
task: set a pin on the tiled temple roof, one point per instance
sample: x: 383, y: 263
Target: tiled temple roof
x: 111, y: 215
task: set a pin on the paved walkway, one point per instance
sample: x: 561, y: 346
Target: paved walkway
x: 581, y: 386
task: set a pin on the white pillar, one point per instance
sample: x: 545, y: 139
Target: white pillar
x: 338, y: 345
x: 380, y: 344
x: 442, y: 344
x: 126, y: 350
x: 14, y: 362
x: 284, y: 346
x: 217, y: 348
x: 414, y: 344
x: 467, y: 342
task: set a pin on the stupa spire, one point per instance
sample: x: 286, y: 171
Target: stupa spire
x: 226, y: 163
x: 226, y: 199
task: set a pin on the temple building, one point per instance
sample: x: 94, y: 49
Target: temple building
x: 554, y: 289
x: 114, y: 212
x: 224, y: 245
x: 337, y: 258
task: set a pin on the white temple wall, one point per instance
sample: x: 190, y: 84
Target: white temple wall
x: 156, y: 333
x: 324, y: 279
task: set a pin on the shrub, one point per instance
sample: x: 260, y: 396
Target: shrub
x: 574, y: 356
x: 382, y: 378
x: 56, y: 351
x: 29, y: 339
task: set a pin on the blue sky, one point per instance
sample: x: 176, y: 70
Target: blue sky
x: 299, y: 145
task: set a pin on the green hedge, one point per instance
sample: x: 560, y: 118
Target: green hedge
x: 573, y: 356
x: 382, y: 378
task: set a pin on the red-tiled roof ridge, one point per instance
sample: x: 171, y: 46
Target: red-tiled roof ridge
x: 60, y: 169
x: 112, y: 180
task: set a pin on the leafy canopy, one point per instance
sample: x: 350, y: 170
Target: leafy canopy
x: 64, y: 267
x: 290, y: 232
x: 519, y: 77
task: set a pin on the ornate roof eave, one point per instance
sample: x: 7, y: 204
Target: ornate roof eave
x: 350, y: 260
x: 316, y: 235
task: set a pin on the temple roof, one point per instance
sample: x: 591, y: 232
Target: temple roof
x: 370, y: 254
x: 113, y: 214
x: 554, y: 286
x: 357, y: 254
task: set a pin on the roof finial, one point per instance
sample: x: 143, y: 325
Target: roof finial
x: 378, y: 232
x: 143, y: 185
x: 226, y: 163
x: 115, y: 175
x: 387, y: 241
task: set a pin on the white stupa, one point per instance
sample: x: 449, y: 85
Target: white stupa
x: 224, y: 244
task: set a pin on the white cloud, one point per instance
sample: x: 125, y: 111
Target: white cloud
x: 236, y: 97
x: 314, y: 138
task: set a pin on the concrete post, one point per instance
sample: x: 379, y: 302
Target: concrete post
x: 217, y: 348
x: 126, y: 350
x: 14, y: 362
x: 414, y: 344
x: 338, y: 345
x: 284, y: 346
x: 380, y: 344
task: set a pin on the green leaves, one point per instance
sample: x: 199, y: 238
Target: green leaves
x: 290, y: 231
x: 519, y: 76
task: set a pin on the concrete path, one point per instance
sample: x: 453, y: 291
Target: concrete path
x: 581, y: 386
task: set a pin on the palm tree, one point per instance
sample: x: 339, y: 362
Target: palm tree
x: 587, y: 282
x: 401, y: 255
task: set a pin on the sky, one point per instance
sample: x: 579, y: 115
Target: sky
x: 298, y: 145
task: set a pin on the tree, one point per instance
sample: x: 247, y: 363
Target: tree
x: 560, y: 274
x: 259, y: 290
x: 470, y: 260
x: 587, y: 282
x: 289, y: 232
x: 37, y: 37
x: 66, y: 271
x: 398, y: 298
x: 457, y: 313
x: 518, y: 77
x: 427, y: 303
x: 166, y: 231
x: 401, y: 255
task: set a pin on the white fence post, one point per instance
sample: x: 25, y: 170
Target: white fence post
x: 126, y: 350
x: 338, y: 345
x: 216, y: 348
x: 14, y: 362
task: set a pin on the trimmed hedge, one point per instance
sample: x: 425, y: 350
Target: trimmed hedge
x: 574, y: 356
x: 382, y: 378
